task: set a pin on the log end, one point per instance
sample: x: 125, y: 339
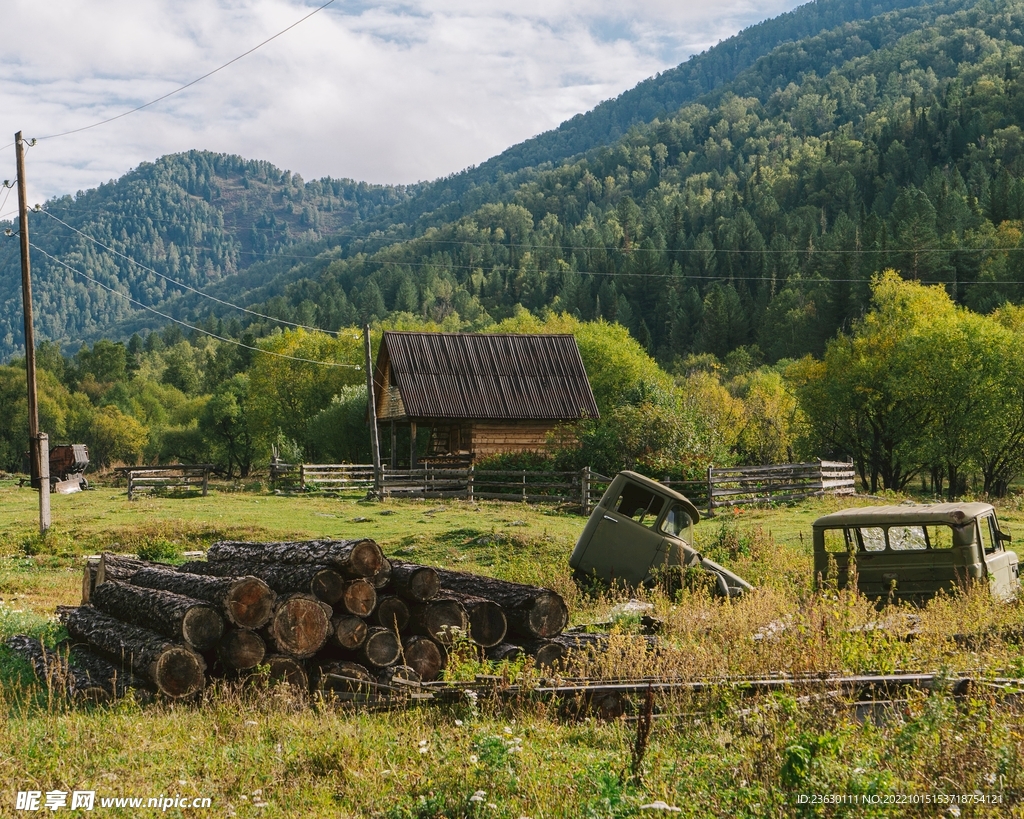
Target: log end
x: 300, y: 626
x: 241, y: 649
x: 365, y: 559
x: 547, y: 615
x: 202, y: 627
x: 179, y: 672
x: 250, y: 603
x: 424, y: 656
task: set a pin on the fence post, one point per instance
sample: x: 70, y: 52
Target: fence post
x: 711, y: 492
x: 206, y: 479
x: 524, y: 486
x: 302, y: 476
x: 585, y: 490
x: 469, y: 484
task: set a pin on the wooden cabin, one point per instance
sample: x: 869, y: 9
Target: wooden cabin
x: 479, y: 394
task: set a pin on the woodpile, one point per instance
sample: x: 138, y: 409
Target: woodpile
x: 336, y: 614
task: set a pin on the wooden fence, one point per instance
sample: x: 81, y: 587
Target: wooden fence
x: 169, y: 477
x: 779, y: 483
x: 725, y: 486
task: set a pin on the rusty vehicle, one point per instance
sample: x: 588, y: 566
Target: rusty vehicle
x: 68, y: 463
x: 912, y: 552
x: 639, y: 531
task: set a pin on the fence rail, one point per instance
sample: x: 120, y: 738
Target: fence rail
x: 725, y: 486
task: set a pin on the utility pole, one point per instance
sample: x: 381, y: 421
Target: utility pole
x: 378, y: 477
x: 38, y: 444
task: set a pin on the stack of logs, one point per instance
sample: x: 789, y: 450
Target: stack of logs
x: 335, y: 615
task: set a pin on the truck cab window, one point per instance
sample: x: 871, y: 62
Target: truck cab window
x: 907, y: 538
x: 677, y: 523
x: 872, y: 538
x: 640, y: 504
x: 837, y: 541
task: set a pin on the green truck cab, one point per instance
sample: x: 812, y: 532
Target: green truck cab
x: 638, y: 530
x: 912, y: 551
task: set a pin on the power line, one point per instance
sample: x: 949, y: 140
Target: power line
x: 182, y: 284
x: 186, y: 324
x: 187, y: 85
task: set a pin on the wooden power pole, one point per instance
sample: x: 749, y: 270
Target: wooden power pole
x: 378, y: 477
x: 38, y: 443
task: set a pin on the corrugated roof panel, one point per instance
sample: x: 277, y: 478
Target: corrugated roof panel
x: 488, y: 376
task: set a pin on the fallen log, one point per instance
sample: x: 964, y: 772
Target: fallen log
x: 547, y: 653
x: 281, y: 668
x: 349, y: 631
x: 399, y: 676
x: 192, y: 621
x: 299, y: 626
x: 354, y: 558
x: 55, y: 671
x: 118, y: 567
x: 531, y: 611
x: 343, y: 679
x: 505, y: 652
x: 246, y: 601
x: 118, y: 681
x: 391, y: 612
x: 487, y: 623
x: 92, y: 568
x: 413, y: 581
x: 381, y: 579
x: 440, y: 619
x: 319, y: 580
x: 176, y: 670
x: 424, y: 656
x: 381, y: 647
x: 241, y: 649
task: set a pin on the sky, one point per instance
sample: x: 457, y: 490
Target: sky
x: 395, y: 91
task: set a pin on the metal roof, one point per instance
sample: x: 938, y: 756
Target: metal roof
x: 486, y: 376
x: 953, y: 514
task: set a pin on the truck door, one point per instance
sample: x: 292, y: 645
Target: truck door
x: 626, y: 543
x: 1001, y: 564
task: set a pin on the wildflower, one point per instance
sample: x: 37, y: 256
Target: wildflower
x: 473, y: 759
x: 458, y: 722
x: 508, y: 730
x: 479, y: 796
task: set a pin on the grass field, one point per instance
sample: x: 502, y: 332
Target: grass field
x: 260, y: 751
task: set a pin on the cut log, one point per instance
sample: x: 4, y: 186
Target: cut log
x: 381, y: 647
x: 117, y: 680
x: 349, y: 631
x: 505, y: 652
x: 344, y: 679
x: 423, y: 655
x: 55, y: 671
x: 192, y: 621
x: 440, y: 619
x: 355, y: 558
x: 399, y: 676
x: 359, y: 597
x: 286, y: 669
x: 391, y: 612
x: 241, y: 649
x: 414, y: 582
x: 118, y: 567
x: 383, y: 577
x: 487, y: 623
x: 547, y: 653
x: 531, y: 611
x: 320, y: 580
x: 246, y: 601
x: 92, y: 568
x: 299, y: 626
x: 176, y: 670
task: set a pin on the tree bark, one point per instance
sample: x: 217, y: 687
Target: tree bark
x: 181, y: 618
x: 438, y: 619
x: 176, y: 670
x: 317, y: 579
x: 54, y: 670
x: 423, y: 655
x: 246, y: 601
x: 299, y: 626
x: 391, y: 612
x: 531, y: 611
x: 349, y: 631
x: 413, y: 581
x: 119, y: 681
x: 241, y: 649
x: 354, y: 558
x: 487, y: 622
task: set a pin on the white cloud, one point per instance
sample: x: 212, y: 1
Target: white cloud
x: 387, y: 92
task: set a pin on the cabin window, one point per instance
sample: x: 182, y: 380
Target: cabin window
x: 872, y: 538
x: 907, y: 539
x: 640, y: 504
x: 987, y: 531
x: 837, y: 541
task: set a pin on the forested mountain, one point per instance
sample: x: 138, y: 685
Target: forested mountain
x: 202, y: 218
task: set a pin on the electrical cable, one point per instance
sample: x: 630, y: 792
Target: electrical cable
x: 186, y: 324
x: 187, y: 85
x: 186, y: 286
